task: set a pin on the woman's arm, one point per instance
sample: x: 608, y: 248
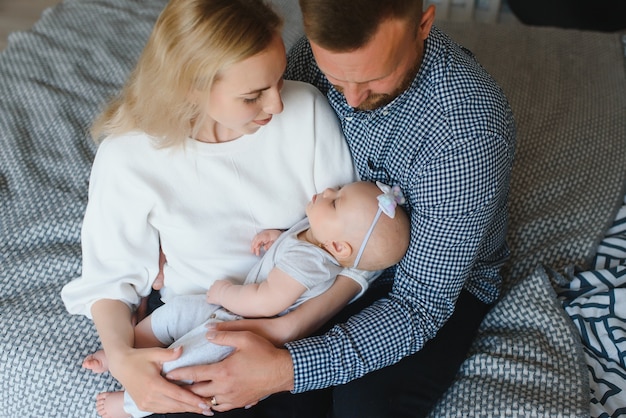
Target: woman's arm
x: 302, y: 321
x: 139, y: 370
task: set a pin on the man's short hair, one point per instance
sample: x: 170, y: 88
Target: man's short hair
x: 346, y: 25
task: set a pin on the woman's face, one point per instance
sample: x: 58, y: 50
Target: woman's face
x: 245, y: 95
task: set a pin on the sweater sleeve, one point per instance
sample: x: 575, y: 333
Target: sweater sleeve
x: 120, y: 247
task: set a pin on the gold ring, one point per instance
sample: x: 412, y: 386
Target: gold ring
x: 213, y: 401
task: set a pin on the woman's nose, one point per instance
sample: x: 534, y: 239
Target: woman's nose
x: 273, y: 104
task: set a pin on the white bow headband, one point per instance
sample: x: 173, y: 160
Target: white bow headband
x: 387, y: 202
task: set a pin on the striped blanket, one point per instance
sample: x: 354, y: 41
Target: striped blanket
x: 596, y: 302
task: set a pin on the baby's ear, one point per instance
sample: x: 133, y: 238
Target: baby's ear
x: 342, y: 250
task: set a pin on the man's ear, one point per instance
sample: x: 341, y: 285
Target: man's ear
x: 341, y: 250
x: 428, y: 18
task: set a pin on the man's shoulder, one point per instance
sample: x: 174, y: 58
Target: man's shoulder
x: 454, y: 76
x: 301, y: 64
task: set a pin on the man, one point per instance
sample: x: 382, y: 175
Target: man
x: 418, y: 111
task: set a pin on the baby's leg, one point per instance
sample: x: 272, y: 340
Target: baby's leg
x: 96, y: 362
x: 144, y: 336
x: 111, y: 405
x: 196, y: 350
x: 179, y: 316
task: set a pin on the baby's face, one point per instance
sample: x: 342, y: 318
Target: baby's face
x: 337, y: 214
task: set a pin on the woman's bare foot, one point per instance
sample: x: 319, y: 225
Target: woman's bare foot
x: 96, y: 362
x: 111, y: 405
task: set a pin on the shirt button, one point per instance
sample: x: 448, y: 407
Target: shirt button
x: 349, y: 118
x: 385, y: 112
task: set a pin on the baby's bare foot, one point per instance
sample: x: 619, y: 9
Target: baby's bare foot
x: 96, y: 362
x: 111, y: 405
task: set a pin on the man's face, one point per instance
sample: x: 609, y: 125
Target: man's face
x: 372, y: 76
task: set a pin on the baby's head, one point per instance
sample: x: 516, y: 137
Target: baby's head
x: 341, y: 220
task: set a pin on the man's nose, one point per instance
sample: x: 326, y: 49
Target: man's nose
x: 355, y: 94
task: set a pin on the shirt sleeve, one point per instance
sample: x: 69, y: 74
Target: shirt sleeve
x: 120, y: 248
x: 446, y: 235
x: 455, y: 176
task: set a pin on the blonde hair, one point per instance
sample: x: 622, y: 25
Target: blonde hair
x: 192, y: 41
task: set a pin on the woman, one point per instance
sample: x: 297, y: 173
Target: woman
x: 200, y: 153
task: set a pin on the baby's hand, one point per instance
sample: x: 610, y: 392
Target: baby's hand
x: 264, y: 240
x: 213, y: 295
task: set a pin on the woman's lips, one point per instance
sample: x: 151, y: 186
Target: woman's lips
x: 263, y: 122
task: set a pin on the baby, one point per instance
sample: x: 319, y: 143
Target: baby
x: 353, y: 227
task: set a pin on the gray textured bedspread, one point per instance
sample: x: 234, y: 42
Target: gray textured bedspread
x: 566, y: 88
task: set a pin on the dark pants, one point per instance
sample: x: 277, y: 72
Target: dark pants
x: 409, y: 388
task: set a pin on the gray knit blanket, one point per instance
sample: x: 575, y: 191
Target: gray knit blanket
x: 568, y: 92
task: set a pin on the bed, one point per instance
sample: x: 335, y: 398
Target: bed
x: 554, y: 345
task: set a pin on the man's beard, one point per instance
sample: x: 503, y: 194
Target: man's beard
x: 378, y: 100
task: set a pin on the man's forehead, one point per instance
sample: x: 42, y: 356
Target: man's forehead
x: 374, y: 61
x: 357, y: 66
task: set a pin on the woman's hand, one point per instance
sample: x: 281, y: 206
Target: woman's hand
x: 139, y: 371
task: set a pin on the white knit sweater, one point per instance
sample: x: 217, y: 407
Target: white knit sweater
x: 203, y: 202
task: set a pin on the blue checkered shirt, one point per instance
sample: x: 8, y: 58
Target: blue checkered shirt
x: 448, y: 141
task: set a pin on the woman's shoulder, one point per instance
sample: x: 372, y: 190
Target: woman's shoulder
x: 122, y: 143
x: 124, y: 148
x: 132, y: 137
x: 300, y: 91
x: 304, y: 102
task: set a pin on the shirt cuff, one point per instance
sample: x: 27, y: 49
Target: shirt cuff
x: 312, y: 364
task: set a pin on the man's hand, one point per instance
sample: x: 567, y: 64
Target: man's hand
x: 255, y: 370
